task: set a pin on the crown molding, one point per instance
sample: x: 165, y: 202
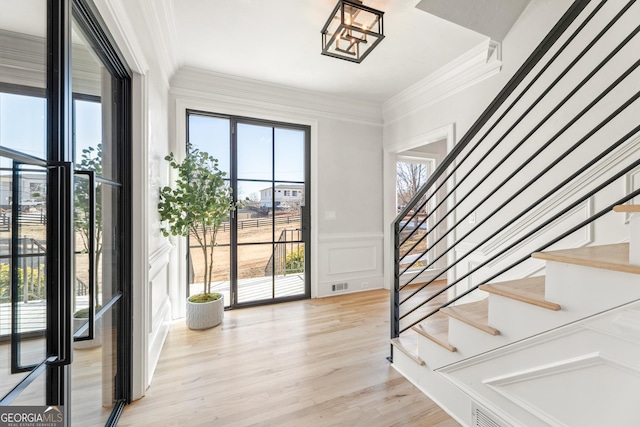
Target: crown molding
x: 117, y: 19
x: 468, y: 69
x: 202, y: 84
x: 159, y: 16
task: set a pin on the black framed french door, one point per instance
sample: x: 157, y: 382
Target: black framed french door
x: 263, y: 251
x: 64, y: 213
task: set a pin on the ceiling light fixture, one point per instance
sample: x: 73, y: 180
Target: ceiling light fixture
x: 352, y: 31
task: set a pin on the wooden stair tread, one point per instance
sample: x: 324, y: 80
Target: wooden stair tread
x: 627, y: 208
x: 436, y: 328
x: 475, y: 314
x: 435, y: 285
x: 408, y: 345
x: 529, y: 290
x: 608, y: 257
x: 410, y: 312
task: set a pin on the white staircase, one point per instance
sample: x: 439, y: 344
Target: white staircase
x: 556, y: 350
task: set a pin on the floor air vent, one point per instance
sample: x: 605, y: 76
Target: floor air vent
x: 339, y: 287
x: 484, y: 418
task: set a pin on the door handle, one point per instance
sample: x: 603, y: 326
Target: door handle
x: 91, y: 176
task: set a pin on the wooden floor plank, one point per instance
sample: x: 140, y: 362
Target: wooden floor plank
x: 307, y: 363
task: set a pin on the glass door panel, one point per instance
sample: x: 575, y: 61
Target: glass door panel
x: 212, y: 135
x: 98, y: 234
x: 28, y: 214
x: 268, y: 172
x: 289, y: 155
x: 28, y: 237
x: 255, y: 144
x: 273, y: 158
x: 22, y: 117
x: 289, y: 278
x: 23, y: 193
x: 23, y: 304
x: 255, y: 272
x: 254, y: 216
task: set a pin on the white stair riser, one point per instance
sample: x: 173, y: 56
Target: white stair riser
x: 406, y: 366
x: 434, y: 355
x: 517, y: 320
x: 584, y: 291
x: 470, y: 340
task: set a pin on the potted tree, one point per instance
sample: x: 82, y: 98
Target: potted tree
x: 197, y: 205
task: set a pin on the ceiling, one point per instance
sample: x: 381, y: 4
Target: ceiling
x: 279, y: 42
x: 491, y: 17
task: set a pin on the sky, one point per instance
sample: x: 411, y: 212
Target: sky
x: 23, y: 124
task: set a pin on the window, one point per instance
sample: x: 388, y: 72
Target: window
x: 287, y: 192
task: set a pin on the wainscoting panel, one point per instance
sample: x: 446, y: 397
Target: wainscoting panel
x: 584, y: 374
x: 350, y: 263
x: 159, y: 306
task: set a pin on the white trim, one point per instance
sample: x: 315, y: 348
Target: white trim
x: 461, y: 73
x: 552, y: 369
x: 349, y: 237
x: 444, y: 132
x: 161, y: 27
x: 139, y: 234
x: 157, y: 256
x: 205, y: 85
x: 629, y: 180
x: 447, y: 133
x: 117, y: 20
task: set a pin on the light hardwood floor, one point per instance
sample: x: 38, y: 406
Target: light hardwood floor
x: 317, y: 362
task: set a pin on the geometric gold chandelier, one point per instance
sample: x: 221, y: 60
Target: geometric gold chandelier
x: 352, y: 31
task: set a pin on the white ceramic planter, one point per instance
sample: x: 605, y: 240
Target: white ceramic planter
x: 204, y: 315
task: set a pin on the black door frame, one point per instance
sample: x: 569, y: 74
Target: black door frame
x: 59, y: 229
x: 306, y: 214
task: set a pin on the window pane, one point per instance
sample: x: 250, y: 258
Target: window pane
x: 255, y: 216
x: 289, y: 155
x: 255, y: 152
x: 23, y: 79
x: 211, y: 135
x: 93, y: 114
x: 23, y: 123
